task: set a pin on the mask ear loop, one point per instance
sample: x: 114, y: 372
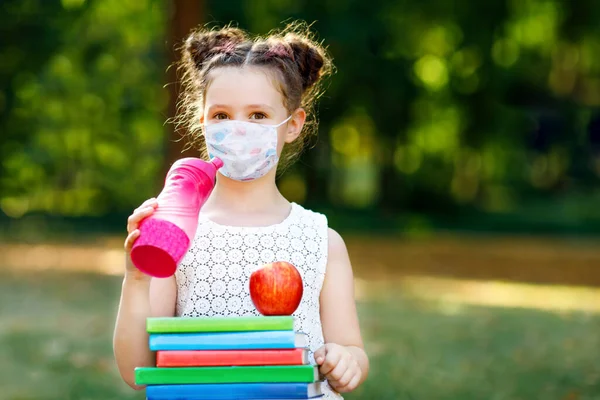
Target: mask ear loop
x: 283, y: 122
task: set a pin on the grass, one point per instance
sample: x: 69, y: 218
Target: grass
x: 55, y: 343
x: 432, y: 351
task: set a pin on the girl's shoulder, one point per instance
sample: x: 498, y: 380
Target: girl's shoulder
x: 335, y: 242
x: 309, y: 217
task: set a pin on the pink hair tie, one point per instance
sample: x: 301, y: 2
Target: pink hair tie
x: 279, y: 50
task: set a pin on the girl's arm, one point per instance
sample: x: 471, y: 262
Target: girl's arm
x: 141, y: 297
x: 342, y: 359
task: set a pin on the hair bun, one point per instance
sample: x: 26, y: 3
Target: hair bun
x: 308, y: 57
x: 201, y: 45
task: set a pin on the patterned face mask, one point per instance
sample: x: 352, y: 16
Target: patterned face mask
x: 248, y: 150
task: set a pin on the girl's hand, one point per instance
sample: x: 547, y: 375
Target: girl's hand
x: 339, y: 366
x: 133, y: 222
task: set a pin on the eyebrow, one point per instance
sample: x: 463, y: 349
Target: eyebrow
x: 261, y: 106
x: 251, y: 106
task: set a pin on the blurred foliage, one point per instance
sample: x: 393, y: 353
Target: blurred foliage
x: 82, y: 104
x: 437, y: 107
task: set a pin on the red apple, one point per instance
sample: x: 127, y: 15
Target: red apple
x: 276, y: 288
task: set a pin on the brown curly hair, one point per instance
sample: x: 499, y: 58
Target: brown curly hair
x: 300, y: 63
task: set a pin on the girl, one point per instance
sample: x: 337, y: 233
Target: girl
x: 264, y: 87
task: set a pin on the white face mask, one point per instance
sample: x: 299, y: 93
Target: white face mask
x: 248, y: 150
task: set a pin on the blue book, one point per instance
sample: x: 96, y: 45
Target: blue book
x: 228, y: 340
x: 235, y: 391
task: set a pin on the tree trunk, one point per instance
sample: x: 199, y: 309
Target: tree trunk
x: 185, y: 15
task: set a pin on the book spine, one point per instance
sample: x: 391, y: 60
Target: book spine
x: 218, y: 324
x: 216, y: 358
x: 223, y: 341
x: 202, y: 375
x: 234, y: 391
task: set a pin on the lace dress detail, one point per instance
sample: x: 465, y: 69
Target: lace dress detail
x: 213, y: 276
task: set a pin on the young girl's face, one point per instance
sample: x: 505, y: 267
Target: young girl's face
x: 250, y: 94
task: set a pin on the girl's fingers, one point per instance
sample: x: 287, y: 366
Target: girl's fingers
x: 320, y: 354
x: 131, y: 239
x: 148, y: 203
x: 332, y: 358
x: 352, y: 385
x: 340, y: 369
x: 345, y: 379
x: 134, y: 219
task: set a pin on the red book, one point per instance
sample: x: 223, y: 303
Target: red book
x: 229, y: 358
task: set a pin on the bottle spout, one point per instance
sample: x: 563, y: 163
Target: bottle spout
x: 216, y: 162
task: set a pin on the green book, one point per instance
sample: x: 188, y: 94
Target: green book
x: 199, y: 375
x: 218, y: 324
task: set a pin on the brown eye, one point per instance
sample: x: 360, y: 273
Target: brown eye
x: 258, y: 115
x: 220, y: 116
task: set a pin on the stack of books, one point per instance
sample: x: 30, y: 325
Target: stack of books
x: 228, y: 358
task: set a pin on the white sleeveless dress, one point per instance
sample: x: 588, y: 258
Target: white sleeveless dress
x: 213, y: 276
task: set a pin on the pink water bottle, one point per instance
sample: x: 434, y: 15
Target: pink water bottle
x: 166, y: 235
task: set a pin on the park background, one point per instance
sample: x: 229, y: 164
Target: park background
x: 458, y: 154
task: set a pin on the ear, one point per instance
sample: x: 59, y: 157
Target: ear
x: 201, y: 119
x: 295, y: 124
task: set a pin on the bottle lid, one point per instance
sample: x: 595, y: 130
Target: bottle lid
x: 217, y: 162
